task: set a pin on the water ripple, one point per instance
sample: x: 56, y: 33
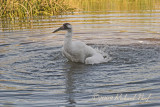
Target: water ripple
x: 33, y: 72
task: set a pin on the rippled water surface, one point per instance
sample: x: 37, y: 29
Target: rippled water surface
x: 33, y: 72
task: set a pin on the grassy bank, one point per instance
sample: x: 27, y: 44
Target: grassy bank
x: 118, y: 5
x: 29, y: 8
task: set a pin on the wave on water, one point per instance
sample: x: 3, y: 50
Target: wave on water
x: 104, y: 51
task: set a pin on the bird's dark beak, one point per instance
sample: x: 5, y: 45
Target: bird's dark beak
x: 61, y: 28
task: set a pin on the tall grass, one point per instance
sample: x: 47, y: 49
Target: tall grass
x: 118, y: 5
x: 30, y: 8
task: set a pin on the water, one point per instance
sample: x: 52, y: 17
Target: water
x: 34, y: 73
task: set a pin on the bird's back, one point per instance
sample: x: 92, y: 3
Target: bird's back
x: 77, y: 51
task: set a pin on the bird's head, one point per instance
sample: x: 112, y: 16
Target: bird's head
x: 65, y: 26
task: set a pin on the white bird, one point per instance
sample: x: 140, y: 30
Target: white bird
x: 77, y: 51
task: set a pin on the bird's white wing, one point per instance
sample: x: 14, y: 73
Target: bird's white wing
x: 82, y: 47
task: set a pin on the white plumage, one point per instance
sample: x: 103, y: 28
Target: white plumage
x: 77, y: 51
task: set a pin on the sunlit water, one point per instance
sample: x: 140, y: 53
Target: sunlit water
x: 33, y: 72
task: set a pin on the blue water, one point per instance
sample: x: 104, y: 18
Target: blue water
x: 33, y: 72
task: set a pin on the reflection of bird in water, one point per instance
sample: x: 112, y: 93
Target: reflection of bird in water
x: 77, y: 51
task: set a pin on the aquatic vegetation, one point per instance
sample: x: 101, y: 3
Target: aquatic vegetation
x: 119, y: 5
x: 30, y: 8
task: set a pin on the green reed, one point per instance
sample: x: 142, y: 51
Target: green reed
x: 118, y: 5
x: 29, y: 8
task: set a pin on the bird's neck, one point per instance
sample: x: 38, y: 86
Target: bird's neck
x: 68, y: 38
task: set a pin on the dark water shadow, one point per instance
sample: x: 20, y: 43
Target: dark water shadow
x: 74, y: 76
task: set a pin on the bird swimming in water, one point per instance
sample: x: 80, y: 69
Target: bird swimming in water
x: 77, y: 51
